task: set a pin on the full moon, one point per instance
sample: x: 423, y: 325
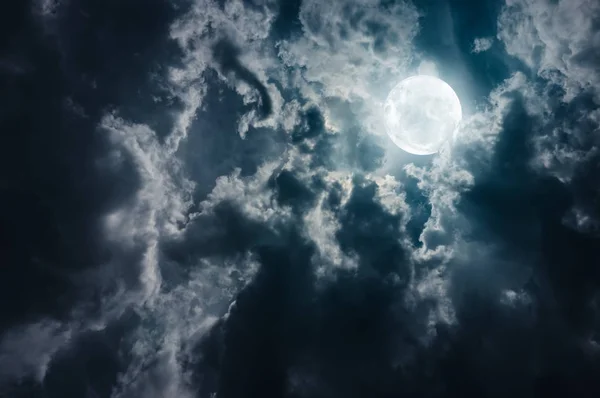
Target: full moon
x: 421, y: 113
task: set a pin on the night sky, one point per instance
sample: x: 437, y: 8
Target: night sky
x: 198, y: 198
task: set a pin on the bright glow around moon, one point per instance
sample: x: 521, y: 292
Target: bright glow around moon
x: 421, y: 113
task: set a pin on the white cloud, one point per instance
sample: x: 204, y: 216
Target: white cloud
x: 481, y: 44
x: 434, y: 286
x: 391, y: 196
x: 362, y: 68
x: 132, y: 277
x: 349, y: 50
x: 176, y: 322
x: 159, y: 205
x: 352, y: 47
x: 557, y: 39
x: 321, y: 225
x: 248, y: 28
x: 515, y: 298
x: 158, y: 212
x: 175, y: 317
x: 354, y: 51
x: 249, y: 194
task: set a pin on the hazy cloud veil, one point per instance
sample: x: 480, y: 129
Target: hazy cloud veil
x: 199, y: 200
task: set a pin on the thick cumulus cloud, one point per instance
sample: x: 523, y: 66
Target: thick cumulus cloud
x: 519, y: 240
x: 558, y: 41
x: 199, y: 200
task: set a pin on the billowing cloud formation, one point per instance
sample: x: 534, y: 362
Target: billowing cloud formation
x: 199, y: 200
x: 559, y: 40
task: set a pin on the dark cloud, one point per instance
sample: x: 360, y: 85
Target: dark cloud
x: 371, y: 232
x: 283, y: 329
x: 59, y: 173
x: 522, y: 214
x: 502, y: 201
x: 90, y: 366
x: 226, y: 232
x: 48, y: 166
x: 249, y: 222
x: 291, y: 191
x: 256, y: 359
x: 312, y: 124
